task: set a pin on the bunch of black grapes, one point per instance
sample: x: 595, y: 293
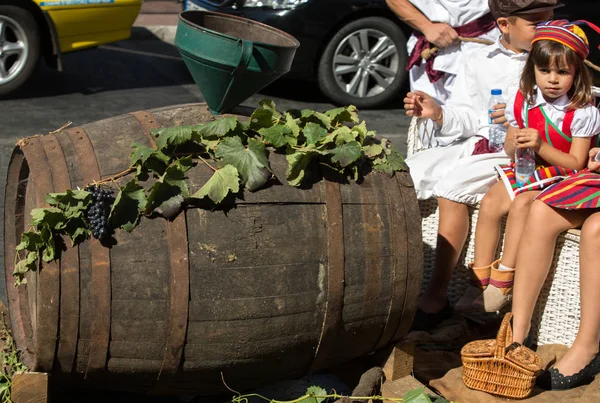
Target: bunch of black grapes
x: 97, y: 214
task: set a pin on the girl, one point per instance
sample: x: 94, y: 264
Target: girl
x: 551, y: 114
x: 568, y: 204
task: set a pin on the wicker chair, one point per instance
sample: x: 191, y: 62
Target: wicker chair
x: 556, y: 317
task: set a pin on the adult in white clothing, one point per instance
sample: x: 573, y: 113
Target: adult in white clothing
x: 438, y: 21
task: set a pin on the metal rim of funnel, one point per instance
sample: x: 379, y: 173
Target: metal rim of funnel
x: 235, y: 17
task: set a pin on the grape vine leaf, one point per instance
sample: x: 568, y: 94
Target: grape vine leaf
x: 30, y: 241
x: 291, y: 122
x: 314, y: 133
x: 125, y: 212
x: 269, y: 105
x: 347, y: 153
x: 164, y: 199
x: 344, y: 114
x: 252, y: 162
x: 175, y: 174
x: 25, y: 265
x: 172, y: 136
x: 261, y: 118
x: 49, y: 253
x: 373, y: 150
x: 344, y: 134
x: 53, y: 217
x: 308, y: 115
x: 77, y: 231
x: 278, y: 136
x: 222, y: 182
x: 297, y: 163
x: 315, y: 391
x: 140, y: 154
x: 217, y: 128
x: 73, y: 203
x: 416, y: 396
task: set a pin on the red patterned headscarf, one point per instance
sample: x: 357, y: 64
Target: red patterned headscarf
x: 566, y: 33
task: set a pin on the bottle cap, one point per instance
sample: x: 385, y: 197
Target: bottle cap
x: 496, y: 92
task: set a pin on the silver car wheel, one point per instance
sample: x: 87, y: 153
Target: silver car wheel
x: 365, y: 63
x: 14, y: 49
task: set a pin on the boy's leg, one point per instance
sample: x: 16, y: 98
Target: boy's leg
x: 494, y: 205
x: 453, y: 229
x: 585, y: 345
x: 543, y: 225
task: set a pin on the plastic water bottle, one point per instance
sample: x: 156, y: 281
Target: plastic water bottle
x: 524, y: 164
x: 497, y: 131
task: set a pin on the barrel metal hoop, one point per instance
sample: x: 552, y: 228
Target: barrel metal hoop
x: 335, y: 275
x: 48, y: 277
x: 100, y: 261
x: 69, y: 265
x: 399, y: 268
x: 148, y: 122
x: 16, y: 296
x: 180, y: 278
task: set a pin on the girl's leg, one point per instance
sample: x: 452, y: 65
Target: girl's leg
x: 588, y: 337
x: 494, y: 205
x: 534, y: 256
x: 517, y: 216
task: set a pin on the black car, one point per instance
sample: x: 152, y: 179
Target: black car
x: 355, y: 49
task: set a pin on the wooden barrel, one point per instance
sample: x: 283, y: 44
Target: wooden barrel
x: 287, y: 282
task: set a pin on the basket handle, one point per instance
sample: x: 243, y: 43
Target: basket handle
x: 504, y: 337
x: 245, y: 56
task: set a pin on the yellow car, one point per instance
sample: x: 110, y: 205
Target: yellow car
x: 32, y: 29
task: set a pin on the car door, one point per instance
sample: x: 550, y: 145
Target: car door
x: 86, y: 23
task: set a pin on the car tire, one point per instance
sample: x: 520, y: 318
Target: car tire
x: 338, y: 87
x: 20, y: 27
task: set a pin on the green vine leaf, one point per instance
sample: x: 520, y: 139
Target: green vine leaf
x: 269, y: 105
x: 222, y: 182
x: 251, y: 162
x: 297, y: 163
x: 314, y: 133
x: 129, y: 203
x: 308, y: 115
x: 52, y: 217
x: 172, y: 136
x: 278, y: 136
x: 315, y: 391
x: 292, y: 123
x: 416, y: 396
x: 344, y: 114
x: 217, y: 128
x: 261, y: 118
x: 346, y: 154
x: 373, y: 150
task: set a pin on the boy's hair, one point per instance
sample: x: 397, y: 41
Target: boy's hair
x: 547, y: 54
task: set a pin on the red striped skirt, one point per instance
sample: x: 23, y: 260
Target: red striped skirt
x: 541, y: 178
x: 578, y: 191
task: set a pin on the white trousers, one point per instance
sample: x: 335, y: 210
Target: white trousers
x: 452, y: 173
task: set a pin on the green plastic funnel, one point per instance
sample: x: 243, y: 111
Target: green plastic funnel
x: 231, y: 58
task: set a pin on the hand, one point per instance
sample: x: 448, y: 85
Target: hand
x: 440, y: 34
x: 592, y: 164
x: 528, y: 138
x: 420, y: 104
x: 499, y: 116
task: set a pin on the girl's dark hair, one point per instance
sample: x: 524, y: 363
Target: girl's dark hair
x: 547, y: 54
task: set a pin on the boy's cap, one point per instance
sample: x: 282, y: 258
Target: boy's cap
x: 506, y: 8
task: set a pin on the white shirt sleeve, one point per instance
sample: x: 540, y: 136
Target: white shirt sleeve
x: 461, y: 120
x: 510, y: 110
x: 586, y: 122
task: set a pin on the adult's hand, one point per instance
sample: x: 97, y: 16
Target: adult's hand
x: 440, y: 34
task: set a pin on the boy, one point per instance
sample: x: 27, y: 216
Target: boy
x: 459, y: 173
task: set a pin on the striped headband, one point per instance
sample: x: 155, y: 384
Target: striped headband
x: 566, y: 33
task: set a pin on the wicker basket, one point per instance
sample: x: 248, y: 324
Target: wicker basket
x: 488, y: 367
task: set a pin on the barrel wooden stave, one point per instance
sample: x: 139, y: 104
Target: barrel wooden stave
x: 254, y: 322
